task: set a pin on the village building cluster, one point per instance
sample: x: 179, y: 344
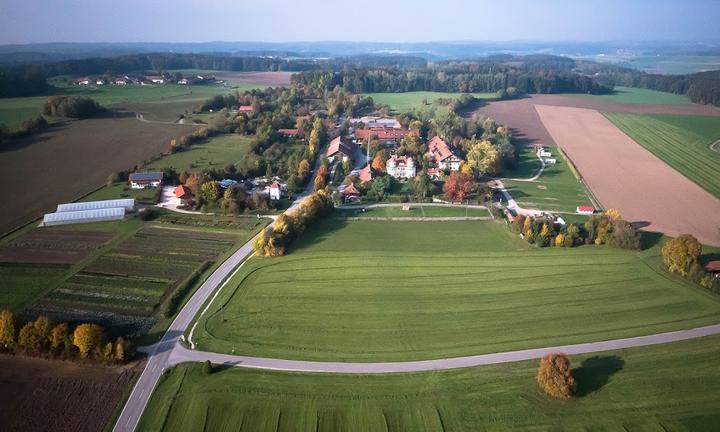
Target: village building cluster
x: 124, y: 80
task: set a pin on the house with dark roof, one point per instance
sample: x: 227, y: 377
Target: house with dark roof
x: 141, y: 180
x: 443, y: 154
x: 339, y: 149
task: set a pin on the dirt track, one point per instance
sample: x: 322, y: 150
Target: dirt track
x: 624, y: 175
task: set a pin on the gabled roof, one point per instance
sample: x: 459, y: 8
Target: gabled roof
x: 350, y: 190
x: 149, y: 176
x: 382, y: 133
x: 713, y: 266
x: 401, y: 160
x: 365, y: 174
x: 275, y: 185
x: 290, y: 132
x: 245, y: 108
x: 338, y: 145
x: 183, y: 191
x: 439, y: 149
x: 586, y: 208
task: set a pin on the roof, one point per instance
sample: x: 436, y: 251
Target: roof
x: 586, y: 208
x: 84, y: 216
x: 183, y: 191
x: 126, y: 203
x: 338, y: 145
x: 713, y: 266
x: 382, y: 133
x: 245, y: 108
x: 372, y: 121
x: 401, y: 160
x: 433, y: 171
x: 275, y: 185
x: 291, y: 132
x: 350, y: 190
x: 439, y: 149
x: 149, y: 176
x: 365, y: 174
x: 226, y: 183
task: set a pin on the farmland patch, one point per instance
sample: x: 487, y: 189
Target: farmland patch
x: 51, y: 246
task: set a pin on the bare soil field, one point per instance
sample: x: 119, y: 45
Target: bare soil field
x: 43, y: 395
x: 72, y: 159
x: 273, y: 79
x: 521, y: 117
x: 623, y: 175
x: 50, y: 246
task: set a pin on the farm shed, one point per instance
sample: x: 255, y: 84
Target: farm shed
x: 127, y: 204
x: 85, y: 216
x: 585, y: 210
x: 141, y: 180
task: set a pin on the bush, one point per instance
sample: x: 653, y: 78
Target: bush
x: 71, y: 106
x: 624, y: 236
x: 554, y: 376
x: 146, y: 214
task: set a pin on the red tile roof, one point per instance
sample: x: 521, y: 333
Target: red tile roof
x: 433, y: 171
x: 365, y: 174
x: 350, y: 190
x: 245, y: 108
x: 713, y: 266
x: 401, y: 160
x: 275, y: 185
x: 585, y: 208
x: 439, y: 149
x: 183, y: 191
x: 382, y: 133
x: 338, y: 145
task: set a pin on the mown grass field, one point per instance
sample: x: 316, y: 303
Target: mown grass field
x: 409, y: 101
x: 416, y: 210
x: 632, y: 95
x: 387, y: 291
x: 557, y: 189
x: 672, y: 387
x: 681, y: 141
x: 214, y: 153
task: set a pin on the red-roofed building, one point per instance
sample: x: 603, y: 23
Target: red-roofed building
x: 290, y: 132
x: 350, y: 192
x: 443, y: 154
x: 434, y: 173
x: 245, y: 108
x: 339, y: 148
x: 585, y: 210
x: 275, y: 191
x: 383, y: 134
x: 713, y: 267
x: 183, y: 193
x: 365, y: 175
x: 401, y: 167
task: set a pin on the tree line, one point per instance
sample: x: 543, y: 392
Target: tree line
x: 701, y: 87
x: 42, y: 337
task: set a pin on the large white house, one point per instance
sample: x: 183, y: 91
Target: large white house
x: 401, y: 167
x: 444, y: 155
x: 141, y: 180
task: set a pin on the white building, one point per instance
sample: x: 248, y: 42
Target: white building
x: 141, y: 180
x: 85, y: 216
x: 550, y: 161
x: 275, y: 191
x: 545, y: 153
x: 125, y: 203
x: 443, y: 154
x: 401, y: 167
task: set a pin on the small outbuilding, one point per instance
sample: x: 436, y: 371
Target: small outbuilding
x: 275, y: 191
x: 183, y: 193
x: 350, y: 193
x: 585, y: 210
x: 713, y: 267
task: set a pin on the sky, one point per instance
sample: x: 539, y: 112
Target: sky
x: 33, y: 21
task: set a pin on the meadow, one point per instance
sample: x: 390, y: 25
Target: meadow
x: 672, y: 387
x: 213, y: 153
x: 680, y: 141
x: 419, y: 100
x: 633, y: 95
x: 557, y: 189
x: 415, y: 211
x: 421, y: 290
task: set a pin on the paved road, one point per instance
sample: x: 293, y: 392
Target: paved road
x: 181, y: 354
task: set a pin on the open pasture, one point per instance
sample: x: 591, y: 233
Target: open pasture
x: 632, y: 95
x: 415, y: 211
x: 672, y: 387
x: 420, y: 290
x: 683, y: 142
x: 419, y: 100
x: 213, y: 153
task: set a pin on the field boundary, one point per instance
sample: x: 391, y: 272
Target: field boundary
x: 596, y: 202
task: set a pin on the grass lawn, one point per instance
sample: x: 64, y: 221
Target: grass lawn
x: 213, y: 153
x: 634, y: 95
x: 23, y: 283
x: 671, y: 387
x: 371, y: 291
x: 681, y: 141
x: 557, y: 189
x: 409, y: 101
x: 416, y: 210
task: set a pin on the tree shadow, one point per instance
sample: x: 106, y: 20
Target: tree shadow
x: 594, y: 372
x: 648, y: 239
x: 707, y: 257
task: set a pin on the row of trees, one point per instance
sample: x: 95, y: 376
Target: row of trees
x: 608, y: 228
x: 274, y: 240
x: 42, y: 337
x: 701, y: 87
x: 29, y: 80
x: 78, y: 107
x: 27, y: 127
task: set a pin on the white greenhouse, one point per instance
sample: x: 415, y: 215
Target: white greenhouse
x: 73, y: 217
x: 125, y: 204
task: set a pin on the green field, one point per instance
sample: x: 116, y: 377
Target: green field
x: 681, y: 141
x: 416, y: 210
x: 420, y: 290
x: 632, y: 95
x: 213, y: 153
x: 672, y: 387
x: 22, y: 283
x: 557, y: 189
x: 409, y: 101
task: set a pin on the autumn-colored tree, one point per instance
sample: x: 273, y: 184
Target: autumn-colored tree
x: 466, y: 168
x: 555, y: 377
x: 87, y: 338
x: 319, y: 183
x: 680, y: 253
x: 194, y: 181
x: 210, y: 191
x: 518, y: 223
x: 458, y: 186
x: 378, y: 164
x: 30, y: 338
x: 543, y: 239
x: 303, y: 169
x: 120, y: 349
x: 107, y: 351
x: 560, y: 240
x: 613, y: 214
x: 59, y: 336
x: 44, y: 326
x: 7, y: 329
x: 527, y: 230
x: 484, y: 157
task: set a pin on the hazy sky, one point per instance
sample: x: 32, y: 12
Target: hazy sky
x: 26, y: 21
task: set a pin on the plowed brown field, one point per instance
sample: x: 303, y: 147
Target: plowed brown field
x: 623, y: 175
